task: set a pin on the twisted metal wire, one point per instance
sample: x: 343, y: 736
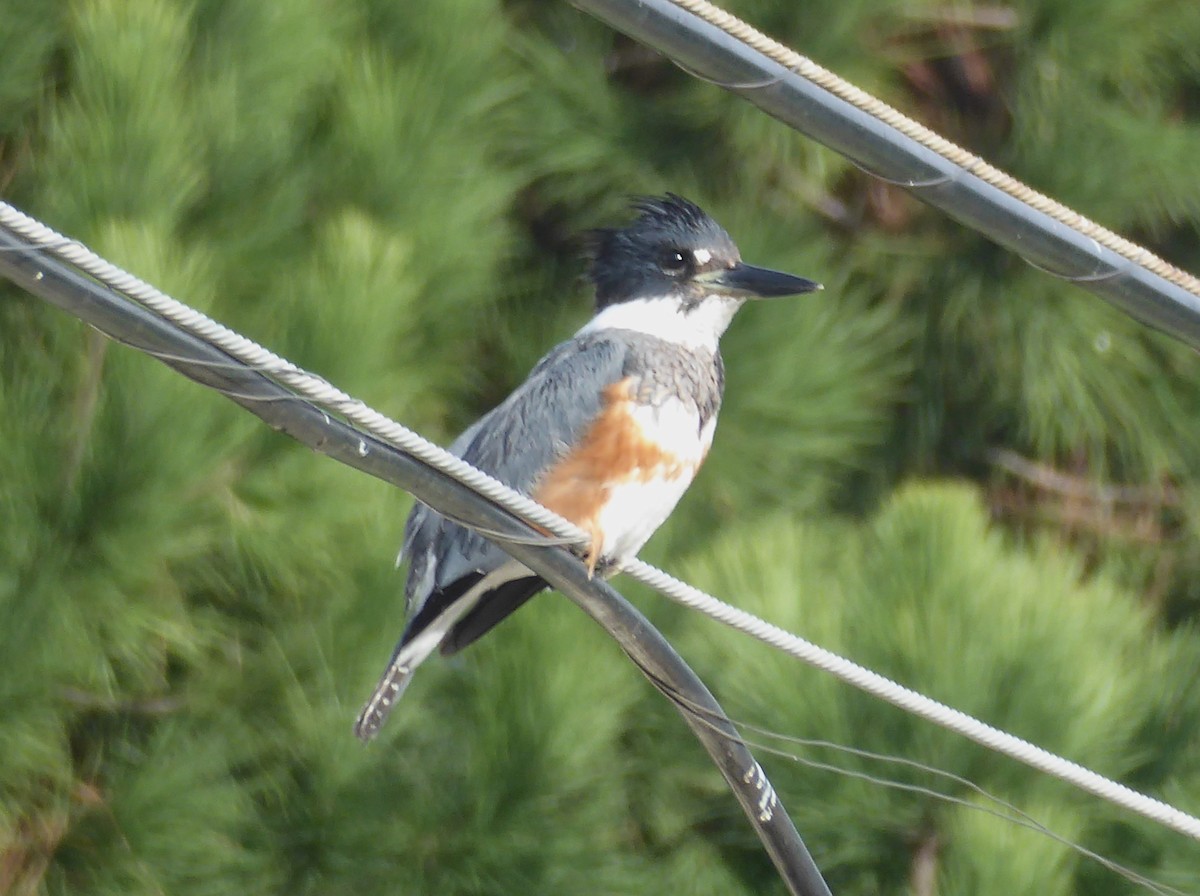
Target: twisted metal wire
x: 322, y: 394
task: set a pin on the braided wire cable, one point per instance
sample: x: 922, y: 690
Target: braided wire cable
x: 952, y: 152
x: 317, y: 391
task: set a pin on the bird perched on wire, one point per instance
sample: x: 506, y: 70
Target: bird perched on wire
x: 608, y: 430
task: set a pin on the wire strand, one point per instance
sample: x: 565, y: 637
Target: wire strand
x: 951, y: 152
x: 337, y: 402
x: 911, y: 701
x: 1006, y: 811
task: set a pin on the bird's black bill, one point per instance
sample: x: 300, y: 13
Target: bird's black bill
x: 759, y: 283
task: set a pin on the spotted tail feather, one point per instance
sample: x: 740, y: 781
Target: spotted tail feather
x: 376, y: 710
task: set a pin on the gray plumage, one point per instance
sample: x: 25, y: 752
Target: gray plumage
x: 536, y: 426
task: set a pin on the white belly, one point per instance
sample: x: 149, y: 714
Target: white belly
x: 634, y: 509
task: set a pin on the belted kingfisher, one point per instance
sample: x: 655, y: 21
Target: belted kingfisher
x: 608, y: 430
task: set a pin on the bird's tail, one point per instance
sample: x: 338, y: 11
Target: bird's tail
x: 429, y: 628
x: 387, y: 692
x: 410, y: 653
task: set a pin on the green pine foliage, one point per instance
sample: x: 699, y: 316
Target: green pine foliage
x: 1076, y: 668
x: 388, y: 193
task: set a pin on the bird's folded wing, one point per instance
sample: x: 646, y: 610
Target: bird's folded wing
x: 517, y: 442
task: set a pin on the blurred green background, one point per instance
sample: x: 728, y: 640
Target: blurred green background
x: 950, y: 466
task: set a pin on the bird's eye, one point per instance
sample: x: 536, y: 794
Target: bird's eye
x: 674, y: 262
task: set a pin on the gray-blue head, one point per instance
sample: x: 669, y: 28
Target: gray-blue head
x: 674, y: 249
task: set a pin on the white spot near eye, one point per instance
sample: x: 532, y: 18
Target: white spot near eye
x: 702, y: 256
